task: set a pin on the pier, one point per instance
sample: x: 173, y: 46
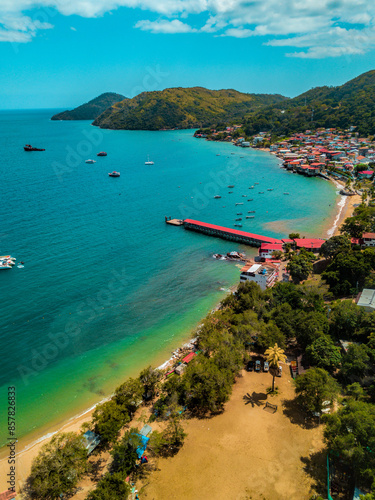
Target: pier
x: 174, y: 222
x: 227, y: 233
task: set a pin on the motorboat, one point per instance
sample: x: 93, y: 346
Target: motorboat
x: 29, y: 147
x: 114, y: 174
x: 286, y: 193
x: 239, y: 218
x: 238, y: 225
x: 231, y: 186
x: 250, y: 216
x: 270, y: 189
x: 251, y: 212
x: 239, y: 204
x: 149, y: 162
x: 217, y: 196
x: 102, y: 153
x: 250, y: 199
x: 90, y: 161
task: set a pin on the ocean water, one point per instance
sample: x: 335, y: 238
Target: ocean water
x: 107, y: 286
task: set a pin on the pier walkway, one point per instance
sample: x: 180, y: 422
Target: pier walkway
x: 227, y: 233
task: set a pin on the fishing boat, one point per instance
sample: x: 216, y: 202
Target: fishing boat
x: 29, y: 147
x: 250, y: 216
x: 114, y: 174
x: 238, y: 225
x: 231, y: 186
x: 102, y: 153
x: 270, y: 189
x: 251, y: 212
x: 4, y: 264
x: 90, y: 161
x: 239, y: 204
x: 217, y: 196
x: 250, y: 199
x: 261, y: 192
x: 239, y: 213
x: 240, y: 218
x: 149, y: 162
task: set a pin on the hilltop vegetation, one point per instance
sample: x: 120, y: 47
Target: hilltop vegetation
x: 350, y: 104
x: 92, y: 109
x: 183, y: 108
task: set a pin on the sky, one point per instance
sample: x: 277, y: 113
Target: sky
x: 61, y: 53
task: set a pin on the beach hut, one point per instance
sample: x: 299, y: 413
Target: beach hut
x: 91, y: 441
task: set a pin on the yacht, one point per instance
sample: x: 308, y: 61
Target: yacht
x: 90, y: 161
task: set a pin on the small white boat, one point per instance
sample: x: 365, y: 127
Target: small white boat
x: 239, y: 204
x: 90, y: 161
x: 4, y: 264
x: 149, y: 162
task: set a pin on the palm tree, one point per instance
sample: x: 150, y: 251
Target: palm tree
x: 275, y: 355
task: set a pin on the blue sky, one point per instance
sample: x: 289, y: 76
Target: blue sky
x: 60, y: 53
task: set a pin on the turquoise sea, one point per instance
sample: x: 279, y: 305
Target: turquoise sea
x: 107, y: 287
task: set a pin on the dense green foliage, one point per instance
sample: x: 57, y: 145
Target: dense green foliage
x: 110, y: 487
x: 351, y: 433
x: 92, y: 109
x: 314, y: 387
x: 182, y: 108
x: 57, y: 468
x: 124, y: 453
x: 300, y: 266
x: 350, y: 104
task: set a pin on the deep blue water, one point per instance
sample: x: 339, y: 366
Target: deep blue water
x: 107, y: 285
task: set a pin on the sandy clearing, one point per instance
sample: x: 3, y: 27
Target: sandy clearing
x: 244, y: 453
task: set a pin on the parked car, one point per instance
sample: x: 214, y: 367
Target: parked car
x: 279, y: 371
x: 266, y: 366
x: 250, y: 366
x: 258, y: 366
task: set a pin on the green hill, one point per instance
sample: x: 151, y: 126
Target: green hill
x: 182, y: 108
x: 91, y: 109
x: 350, y: 104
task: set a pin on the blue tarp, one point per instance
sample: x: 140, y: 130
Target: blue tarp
x: 141, y: 449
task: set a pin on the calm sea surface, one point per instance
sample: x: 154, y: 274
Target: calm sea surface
x: 107, y: 286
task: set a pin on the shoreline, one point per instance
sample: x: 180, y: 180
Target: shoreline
x: 31, y: 444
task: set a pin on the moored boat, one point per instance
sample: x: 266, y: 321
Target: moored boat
x: 29, y: 147
x: 149, y: 162
x: 114, y: 174
x: 217, y: 196
x: 90, y: 161
x: 102, y: 153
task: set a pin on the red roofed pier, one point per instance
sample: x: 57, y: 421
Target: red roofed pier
x: 228, y: 233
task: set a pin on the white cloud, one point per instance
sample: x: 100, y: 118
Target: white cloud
x: 164, y: 26
x: 321, y: 28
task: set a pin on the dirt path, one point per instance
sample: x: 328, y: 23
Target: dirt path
x: 247, y: 452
